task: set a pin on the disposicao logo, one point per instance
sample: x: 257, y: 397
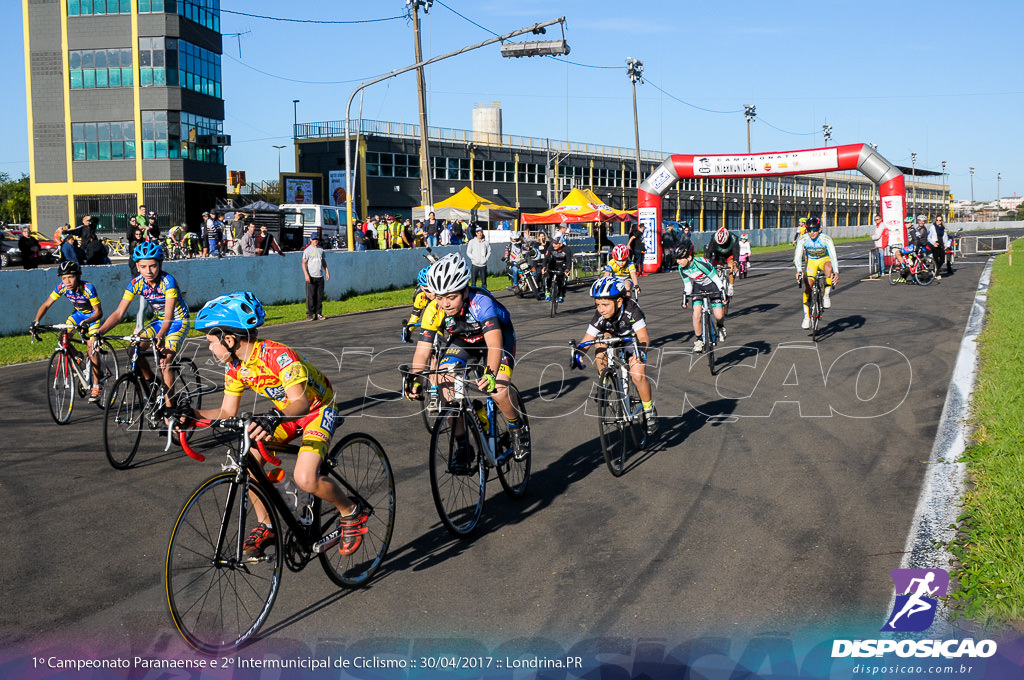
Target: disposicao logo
x: 917, y: 591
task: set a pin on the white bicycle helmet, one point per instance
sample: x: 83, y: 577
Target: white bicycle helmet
x: 448, y: 275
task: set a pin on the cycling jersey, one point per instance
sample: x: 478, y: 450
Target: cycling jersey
x: 269, y: 371
x: 558, y: 260
x: 622, y: 271
x: 164, y: 293
x: 419, y: 303
x: 84, y: 300
x: 700, y: 276
x: 714, y: 252
x: 627, y: 321
x: 465, y: 331
x: 817, y: 251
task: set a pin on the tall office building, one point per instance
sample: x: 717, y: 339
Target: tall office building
x: 124, y: 109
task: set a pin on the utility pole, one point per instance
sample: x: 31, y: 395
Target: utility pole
x: 913, y: 175
x: 945, y: 193
x: 972, y: 194
x: 750, y: 112
x: 635, y: 71
x: 421, y: 88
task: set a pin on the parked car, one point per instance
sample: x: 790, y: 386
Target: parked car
x: 48, y: 250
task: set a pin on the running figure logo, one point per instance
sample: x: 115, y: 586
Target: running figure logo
x: 917, y: 592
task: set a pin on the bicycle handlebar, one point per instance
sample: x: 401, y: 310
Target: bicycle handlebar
x: 611, y: 342
x: 237, y: 424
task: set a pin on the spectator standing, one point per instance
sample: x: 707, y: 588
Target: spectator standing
x: 247, y: 244
x: 432, y: 229
x: 29, y: 247
x: 205, y: 224
x: 373, y: 234
x: 135, y: 237
x: 266, y: 242
x: 458, y: 232
x: 143, y: 214
x: 478, y: 251
x: 445, y: 236
x: 86, y: 227
x: 358, y: 237
x: 881, y: 239
x: 408, y: 235
x: 95, y: 251
x: 394, y: 229
x: 314, y: 268
x: 152, y: 228
x: 69, y: 250
x: 237, y: 231
x: 636, y: 245
x: 937, y: 243
x: 220, y: 231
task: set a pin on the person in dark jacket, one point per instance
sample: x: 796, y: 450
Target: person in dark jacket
x: 29, y: 247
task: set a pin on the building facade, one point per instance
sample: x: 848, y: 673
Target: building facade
x: 124, y: 109
x: 534, y: 174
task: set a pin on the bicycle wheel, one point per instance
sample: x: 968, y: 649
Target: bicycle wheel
x: 430, y: 414
x: 513, y: 473
x: 554, y: 299
x: 123, y: 419
x: 109, y: 371
x: 456, y: 485
x: 895, y: 274
x: 612, y: 422
x: 709, y: 336
x: 361, y: 462
x: 186, y: 377
x: 61, y: 387
x: 218, y: 597
x: 816, y: 307
x: 926, y: 270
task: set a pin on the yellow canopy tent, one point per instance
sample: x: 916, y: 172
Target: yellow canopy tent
x: 581, y: 205
x: 466, y: 205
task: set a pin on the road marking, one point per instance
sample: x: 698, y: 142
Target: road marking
x: 935, y: 518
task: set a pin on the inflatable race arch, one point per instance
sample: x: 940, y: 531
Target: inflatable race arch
x: 860, y: 157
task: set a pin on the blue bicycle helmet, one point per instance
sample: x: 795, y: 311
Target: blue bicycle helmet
x: 241, y: 311
x: 608, y: 287
x: 148, y: 250
x: 421, y: 279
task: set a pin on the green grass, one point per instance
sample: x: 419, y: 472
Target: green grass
x: 989, y: 548
x: 16, y: 349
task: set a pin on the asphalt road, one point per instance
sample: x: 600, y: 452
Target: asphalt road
x: 776, y: 496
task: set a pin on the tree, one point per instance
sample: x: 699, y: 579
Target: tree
x: 15, y: 199
x: 1020, y: 211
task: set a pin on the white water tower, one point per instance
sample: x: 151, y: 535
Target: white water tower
x: 487, y: 123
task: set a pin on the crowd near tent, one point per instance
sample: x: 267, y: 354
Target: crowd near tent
x: 466, y: 205
x: 581, y: 205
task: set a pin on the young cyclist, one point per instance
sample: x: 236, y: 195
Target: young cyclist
x: 744, y: 255
x: 620, y: 266
x: 700, y: 276
x: 557, y: 259
x: 86, y: 315
x: 617, y: 316
x: 420, y: 301
x: 821, y: 258
x: 170, y: 324
x: 800, y: 229
x: 724, y: 248
x: 479, y: 329
x: 303, y: 407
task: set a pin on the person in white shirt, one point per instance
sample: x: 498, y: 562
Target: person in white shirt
x: 478, y: 250
x: 314, y: 269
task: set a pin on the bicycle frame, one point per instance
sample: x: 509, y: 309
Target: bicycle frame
x: 66, y: 344
x: 618, y: 361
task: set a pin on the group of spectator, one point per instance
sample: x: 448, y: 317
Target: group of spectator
x: 393, y: 232
x: 923, y: 237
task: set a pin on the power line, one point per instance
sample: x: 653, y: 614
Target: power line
x: 310, y: 21
x: 700, y: 108
x: 799, y: 134
x: 296, y: 80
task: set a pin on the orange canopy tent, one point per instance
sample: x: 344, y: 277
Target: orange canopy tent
x: 581, y: 205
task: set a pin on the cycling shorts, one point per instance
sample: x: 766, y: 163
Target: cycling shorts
x: 814, y: 266
x: 715, y: 259
x: 175, y: 334
x: 77, y: 318
x: 315, y: 428
x: 459, y: 354
x: 709, y: 288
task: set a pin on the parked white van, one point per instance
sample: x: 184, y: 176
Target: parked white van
x: 329, y: 220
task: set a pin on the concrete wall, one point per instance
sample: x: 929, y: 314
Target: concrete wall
x: 273, y: 278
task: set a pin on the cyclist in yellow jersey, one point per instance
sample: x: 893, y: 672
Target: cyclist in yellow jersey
x: 800, y: 230
x: 821, y: 260
x: 303, y: 407
x: 419, y: 303
x: 620, y: 266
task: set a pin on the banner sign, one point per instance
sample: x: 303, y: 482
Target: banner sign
x: 780, y: 163
x: 298, y: 190
x: 648, y: 219
x: 337, y: 187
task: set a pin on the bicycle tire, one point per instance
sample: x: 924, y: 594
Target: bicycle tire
x: 458, y: 496
x: 123, y: 420
x: 926, y: 270
x: 186, y: 376
x: 513, y: 473
x: 359, y: 460
x: 611, y: 422
x: 218, y: 602
x: 895, y: 274
x: 60, y: 387
x: 554, y: 302
x: 816, y: 307
x: 109, y: 371
x: 709, y: 336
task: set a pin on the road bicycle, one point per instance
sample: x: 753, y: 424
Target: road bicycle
x: 723, y: 273
x: 460, y: 462
x: 954, y: 250
x: 116, y: 247
x: 815, y: 303
x: 917, y: 267
x: 557, y: 289
x: 621, y: 422
x: 69, y: 373
x: 135, y: 402
x: 432, y: 408
x: 218, y: 596
x: 710, y: 333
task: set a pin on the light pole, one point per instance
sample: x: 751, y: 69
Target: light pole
x: 913, y: 180
x: 279, y: 147
x: 945, y: 192
x: 524, y: 49
x: 749, y: 112
x: 827, y: 129
x: 635, y: 71
x: 972, y: 194
x: 426, y: 195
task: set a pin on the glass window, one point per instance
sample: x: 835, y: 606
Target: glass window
x: 114, y: 77
x: 76, y: 79
x: 91, y: 151
x: 330, y: 217
x: 101, y: 77
x: 103, y: 132
x: 74, y: 59
x: 126, y: 77
x: 73, y: 8
x: 104, y: 151
x: 89, y: 77
x: 145, y: 77
x: 78, y: 151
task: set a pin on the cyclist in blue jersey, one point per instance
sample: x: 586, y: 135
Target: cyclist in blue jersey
x: 821, y: 260
x: 170, y: 324
x: 86, y: 315
x: 478, y: 329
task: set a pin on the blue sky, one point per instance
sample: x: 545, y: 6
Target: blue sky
x: 942, y: 79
